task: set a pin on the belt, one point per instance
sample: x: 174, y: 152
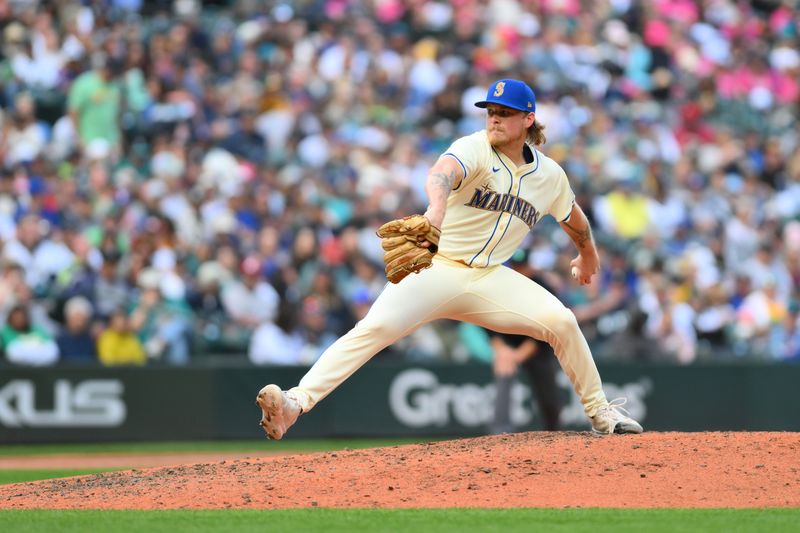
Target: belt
x: 453, y: 262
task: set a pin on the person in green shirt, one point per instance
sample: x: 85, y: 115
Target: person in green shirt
x: 94, y: 104
x: 24, y: 343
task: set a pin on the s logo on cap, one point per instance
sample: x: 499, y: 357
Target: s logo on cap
x: 498, y: 90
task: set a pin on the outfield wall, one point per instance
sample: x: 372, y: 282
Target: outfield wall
x: 382, y: 399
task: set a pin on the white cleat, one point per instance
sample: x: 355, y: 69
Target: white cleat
x: 614, y: 419
x: 279, y: 411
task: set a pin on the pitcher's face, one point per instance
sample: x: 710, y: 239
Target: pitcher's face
x: 505, y: 125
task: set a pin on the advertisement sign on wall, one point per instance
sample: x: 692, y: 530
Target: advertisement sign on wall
x: 73, y: 404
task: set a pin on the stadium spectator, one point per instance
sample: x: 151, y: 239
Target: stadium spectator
x: 279, y: 342
x: 118, y: 343
x: 25, y: 343
x: 94, y: 106
x: 161, y: 319
x: 76, y: 342
x: 250, y: 299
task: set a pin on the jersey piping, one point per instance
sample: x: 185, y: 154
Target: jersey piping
x: 464, y: 168
x: 519, y: 191
x: 499, y: 218
x: 570, y: 211
x: 497, y: 223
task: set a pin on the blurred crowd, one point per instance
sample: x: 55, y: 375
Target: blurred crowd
x: 189, y: 178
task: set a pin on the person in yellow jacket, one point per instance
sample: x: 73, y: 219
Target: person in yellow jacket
x: 118, y: 345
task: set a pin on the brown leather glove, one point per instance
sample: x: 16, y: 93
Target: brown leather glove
x: 401, y: 240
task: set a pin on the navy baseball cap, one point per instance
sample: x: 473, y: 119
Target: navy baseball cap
x: 510, y: 93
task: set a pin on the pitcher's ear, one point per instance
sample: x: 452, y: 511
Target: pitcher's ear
x: 532, y: 117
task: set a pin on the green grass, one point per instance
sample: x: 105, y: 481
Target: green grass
x: 401, y: 520
x: 260, y: 445
x: 21, y: 476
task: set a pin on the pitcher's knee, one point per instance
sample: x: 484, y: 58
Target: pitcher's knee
x: 563, y: 323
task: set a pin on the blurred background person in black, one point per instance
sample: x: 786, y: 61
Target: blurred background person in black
x: 535, y: 358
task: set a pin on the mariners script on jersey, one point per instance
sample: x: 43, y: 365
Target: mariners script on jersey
x: 497, y: 203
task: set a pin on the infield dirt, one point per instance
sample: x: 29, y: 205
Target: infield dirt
x: 521, y: 470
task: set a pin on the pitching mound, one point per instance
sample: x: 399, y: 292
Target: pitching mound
x: 522, y: 470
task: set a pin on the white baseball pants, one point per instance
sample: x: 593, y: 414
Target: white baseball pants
x: 497, y: 298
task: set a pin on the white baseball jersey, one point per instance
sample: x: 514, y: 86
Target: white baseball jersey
x: 497, y: 203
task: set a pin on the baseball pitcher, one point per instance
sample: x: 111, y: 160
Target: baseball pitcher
x: 485, y: 193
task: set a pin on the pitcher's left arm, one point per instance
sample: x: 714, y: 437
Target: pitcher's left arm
x: 587, y: 263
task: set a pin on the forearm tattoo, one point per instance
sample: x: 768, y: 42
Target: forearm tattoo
x: 444, y: 181
x: 580, y: 236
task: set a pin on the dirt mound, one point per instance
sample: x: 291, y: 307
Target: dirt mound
x: 522, y: 470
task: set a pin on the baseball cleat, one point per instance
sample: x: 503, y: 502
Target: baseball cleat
x: 279, y: 411
x: 614, y: 419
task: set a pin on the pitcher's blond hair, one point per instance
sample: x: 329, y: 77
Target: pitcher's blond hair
x: 536, y: 134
